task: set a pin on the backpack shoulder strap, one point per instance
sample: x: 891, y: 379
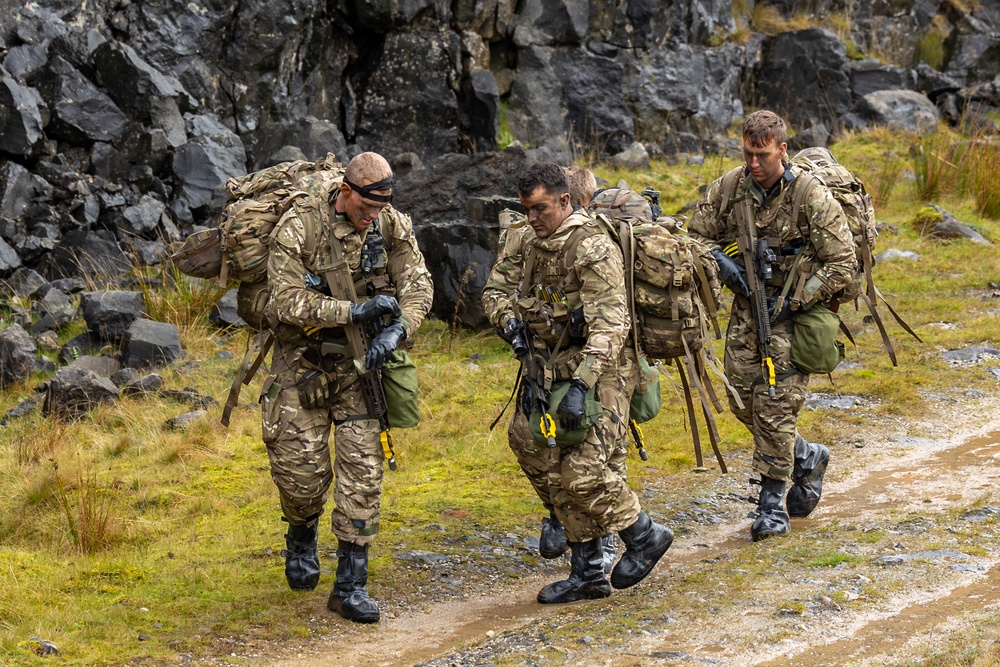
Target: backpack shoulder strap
x: 730, y: 181
x: 802, y: 190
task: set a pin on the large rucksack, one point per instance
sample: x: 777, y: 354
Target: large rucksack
x: 674, y: 292
x: 237, y: 248
x: 818, y: 165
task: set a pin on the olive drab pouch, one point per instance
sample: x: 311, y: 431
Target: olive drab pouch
x: 646, y: 399
x: 592, y: 412
x: 815, y: 348
x: 399, y: 382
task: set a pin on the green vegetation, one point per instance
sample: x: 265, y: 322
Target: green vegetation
x: 114, y: 526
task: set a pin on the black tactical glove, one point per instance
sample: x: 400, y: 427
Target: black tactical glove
x: 383, y: 344
x: 784, y: 313
x: 570, y: 410
x: 374, y: 308
x: 526, y: 398
x: 513, y: 333
x: 731, y: 273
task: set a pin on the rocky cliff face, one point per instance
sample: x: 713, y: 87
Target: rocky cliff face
x: 120, y: 119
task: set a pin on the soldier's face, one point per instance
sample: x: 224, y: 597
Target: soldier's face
x: 360, y: 211
x: 765, y: 162
x: 545, y: 212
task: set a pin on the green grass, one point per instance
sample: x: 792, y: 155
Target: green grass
x: 114, y: 526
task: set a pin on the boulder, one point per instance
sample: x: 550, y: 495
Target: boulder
x: 109, y: 314
x: 81, y: 113
x: 148, y: 343
x: 17, y: 355
x: 905, y: 110
x: 71, y: 392
x: 213, y: 155
x: 21, y: 121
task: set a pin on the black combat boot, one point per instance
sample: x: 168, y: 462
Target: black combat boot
x: 609, y: 552
x: 771, y: 518
x: 349, y: 597
x: 552, y: 542
x: 645, y: 543
x: 811, y: 459
x: 587, y: 580
x: 301, y: 557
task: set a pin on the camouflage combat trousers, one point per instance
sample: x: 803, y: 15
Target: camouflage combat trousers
x: 589, y: 498
x: 297, y: 442
x: 770, y: 420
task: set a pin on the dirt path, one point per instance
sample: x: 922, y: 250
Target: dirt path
x: 892, y: 482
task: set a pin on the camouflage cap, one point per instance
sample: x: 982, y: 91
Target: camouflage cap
x: 621, y: 201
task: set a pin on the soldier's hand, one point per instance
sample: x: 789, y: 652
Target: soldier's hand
x: 374, y: 308
x: 383, y: 344
x: 570, y: 410
x: 784, y: 312
x: 513, y: 333
x: 731, y: 273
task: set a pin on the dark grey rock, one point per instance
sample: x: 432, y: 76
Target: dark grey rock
x: 103, y: 366
x: 71, y: 392
x: 147, y: 384
x: 9, y: 259
x: 190, y: 396
x: 184, y: 421
x: 224, y: 314
x: 817, y: 135
x: 974, y: 354
x: 109, y: 314
x: 829, y: 402
x: 130, y: 81
x: 801, y: 76
x: 81, y: 113
x: 213, y: 155
x: 905, y: 110
x: 122, y: 376
x: 148, y: 343
x: 17, y: 355
x: 632, y: 158
x: 22, y: 408
x: 21, y: 122
x: 94, y: 254
x: 870, y: 75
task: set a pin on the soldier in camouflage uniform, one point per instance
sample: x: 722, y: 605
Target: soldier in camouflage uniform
x: 575, y: 338
x: 820, y: 248
x: 308, y: 392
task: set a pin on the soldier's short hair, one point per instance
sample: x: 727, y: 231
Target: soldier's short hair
x: 367, y: 168
x: 548, y: 175
x: 761, y: 127
x: 582, y: 185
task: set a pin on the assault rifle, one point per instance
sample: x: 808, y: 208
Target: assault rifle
x: 522, y: 351
x: 370, y: 381
x: 761, y: 257
x: 338, y: 278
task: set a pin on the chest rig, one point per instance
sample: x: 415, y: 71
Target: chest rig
x: 549, y: 297
x: 776, y: 220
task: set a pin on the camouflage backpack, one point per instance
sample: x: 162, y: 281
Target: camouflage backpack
x: 818, y: 165
x: 674, y: 292
x: 237, y: 249
x: 672, y: 280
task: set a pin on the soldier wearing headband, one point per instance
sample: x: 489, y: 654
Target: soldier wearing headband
x: 311, y: 393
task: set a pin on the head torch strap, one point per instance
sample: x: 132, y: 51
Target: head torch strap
x: 368, y: 191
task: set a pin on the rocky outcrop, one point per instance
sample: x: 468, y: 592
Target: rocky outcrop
x: 119, y: 122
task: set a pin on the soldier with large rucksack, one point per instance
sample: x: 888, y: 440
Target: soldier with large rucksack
x: 785, y: 247
x: 557, y: 295
x: 333, y: 272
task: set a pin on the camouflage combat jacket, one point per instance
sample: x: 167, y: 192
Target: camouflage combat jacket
x: 294, y: 261
x: 821, y: 234
x: 545, y: 299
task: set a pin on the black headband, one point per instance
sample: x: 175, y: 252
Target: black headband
x: 367, y: 191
